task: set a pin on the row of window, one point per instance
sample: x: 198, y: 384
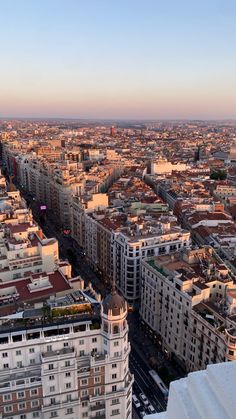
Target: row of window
x: 20, y: 394
x: 18, y: 352
x: 24, y: 416
x: 21, y: 406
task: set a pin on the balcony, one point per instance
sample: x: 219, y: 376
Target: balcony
x: 57, y: 355
x: 96, y: 358
x: 98, y: 406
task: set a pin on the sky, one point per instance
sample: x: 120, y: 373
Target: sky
x: 118, y: 59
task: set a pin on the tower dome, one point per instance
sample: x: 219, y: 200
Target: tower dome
x: 114, y: 304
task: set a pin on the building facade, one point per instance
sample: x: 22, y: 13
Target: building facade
x: 74, y: 367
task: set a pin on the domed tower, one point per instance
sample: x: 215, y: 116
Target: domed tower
x: 117, y: 348
x: 114, y: 323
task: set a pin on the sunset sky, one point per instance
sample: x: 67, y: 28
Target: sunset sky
x: 140, y: 59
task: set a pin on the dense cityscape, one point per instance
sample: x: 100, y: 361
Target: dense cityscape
x: 118, y: 264
x: 117, y: 209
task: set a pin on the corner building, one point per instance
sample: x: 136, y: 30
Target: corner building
x: 69, y: 367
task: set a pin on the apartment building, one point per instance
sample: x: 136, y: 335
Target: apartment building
x: 66, y: 362
x: 115, y: 244
x: 138, y: 241
x: 188, y: 302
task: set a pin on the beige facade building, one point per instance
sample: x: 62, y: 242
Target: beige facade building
x: 188, y: 302
x: 67, y: 367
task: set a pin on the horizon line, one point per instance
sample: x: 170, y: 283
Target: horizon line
x: 70, y: 118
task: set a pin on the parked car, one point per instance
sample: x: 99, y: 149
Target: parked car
x: 151, y: 408
x: 144, y: 399
x: 136, y: 401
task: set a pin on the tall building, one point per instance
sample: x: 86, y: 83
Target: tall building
x: 66, y: 362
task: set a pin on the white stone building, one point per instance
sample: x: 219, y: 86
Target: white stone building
x: 67, y: 367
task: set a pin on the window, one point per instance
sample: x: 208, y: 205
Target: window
x: 31, y: 350
x: 22, y: 416
x: 116, y: 354
x: 32, y: 361
x: 19, y: 364
x: 34, y: 403
x: 81, y: 353
x: 66, y: 344
x: 84, y: 393
x: 231, y: 352
x: 7, y: 409
x: 50, y: 366
x: 94, y: 340
x: 114, y: 376
x: 52, y: 388
x: 84, y: 415
x: 53, y: 414
x: 34, y: 392
x: 4, y: 354
x: 84, y: 404
x: 115, y: 401
x: 68, y: 374
x: 20, y: 394
x: 115, y: 412
x: 113, y: 388
x: 68, y: 385
x: 53, y: 400
x: 97, y: 379
x: 116, y: 343
x: 84, y: 382
x: 7, y: 397
x: 68, y: 398
x: 18, y: 352
x: 35, y: 414
x: 67, y: 363
x: 21, y: 406
x: 51, y: 377
x: 97, y: 391
x: 81, y: 341
x: 69, y: 411
x: 114, y: 365
x: 97, y: 369
x: 5, y: 366
x: 49, y: 348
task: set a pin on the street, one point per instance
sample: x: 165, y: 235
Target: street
x: 144, y: 384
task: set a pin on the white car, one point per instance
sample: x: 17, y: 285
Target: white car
x: 151, y: 408
x: 136, y: 401
x: 144, y: 399
x: 142, y: 413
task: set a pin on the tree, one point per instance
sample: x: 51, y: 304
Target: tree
x: 218, y: 175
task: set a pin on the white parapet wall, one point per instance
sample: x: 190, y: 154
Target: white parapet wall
x: 208, y: 394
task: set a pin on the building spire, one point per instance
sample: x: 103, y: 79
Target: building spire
x: 113, y: 287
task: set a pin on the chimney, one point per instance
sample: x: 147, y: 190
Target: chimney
x: 40, y: 234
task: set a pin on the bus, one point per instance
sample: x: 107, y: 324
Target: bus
x: 159, y: 383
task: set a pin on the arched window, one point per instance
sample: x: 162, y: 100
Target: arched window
x: 116, y: 329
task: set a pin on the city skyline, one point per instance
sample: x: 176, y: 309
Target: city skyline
x: 125, y: 60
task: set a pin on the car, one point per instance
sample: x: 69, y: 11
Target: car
x: 151, y: 408
x: 136, y: 401
x: 144, y: 399
x: 142, y: 413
